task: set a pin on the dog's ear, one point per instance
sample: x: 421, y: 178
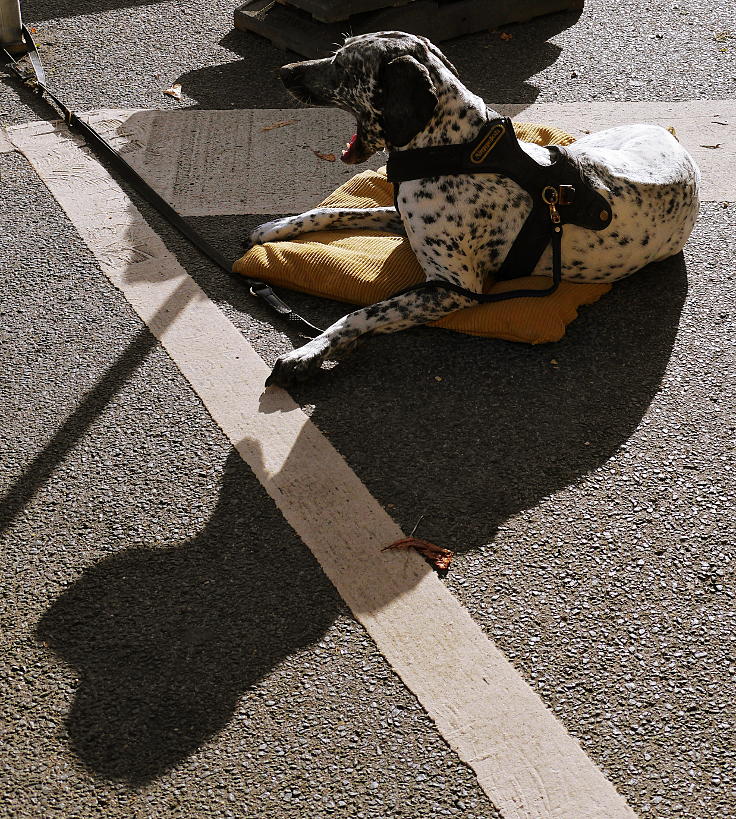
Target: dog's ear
x: 432, y: 48
x: 407, y: 99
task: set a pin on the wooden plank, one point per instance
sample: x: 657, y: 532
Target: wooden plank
x: 290, y: 28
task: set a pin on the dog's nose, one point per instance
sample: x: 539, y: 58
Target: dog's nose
x: 291, y: 74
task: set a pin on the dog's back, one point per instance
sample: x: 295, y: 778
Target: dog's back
x: 652, y: 183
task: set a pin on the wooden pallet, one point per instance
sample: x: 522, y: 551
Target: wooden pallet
x: 329, y: 11
x: 314, y: 28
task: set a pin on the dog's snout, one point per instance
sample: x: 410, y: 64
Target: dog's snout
x: 294, y: 78
x: 308, y: 81
x: 291, y: 73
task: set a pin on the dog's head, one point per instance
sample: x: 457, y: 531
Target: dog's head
x: 386, y: 80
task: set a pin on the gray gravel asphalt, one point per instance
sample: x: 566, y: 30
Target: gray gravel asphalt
x: 209, y: 668
x: 171, y: 647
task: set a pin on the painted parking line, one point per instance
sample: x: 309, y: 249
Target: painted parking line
x: 5, y: 144
x: 525, y: 761
x: 707, y: 128
x: 246, y: 162
x: 233, y: 162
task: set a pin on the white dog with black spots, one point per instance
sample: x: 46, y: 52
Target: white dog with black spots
x: 405, y: 94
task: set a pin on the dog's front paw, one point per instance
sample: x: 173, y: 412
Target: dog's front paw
x: 255, y: 237
x: 294, y: 367
x: 278, y: 229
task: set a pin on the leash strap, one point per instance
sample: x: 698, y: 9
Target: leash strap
x: 126, y: 172
x: 488, y: 298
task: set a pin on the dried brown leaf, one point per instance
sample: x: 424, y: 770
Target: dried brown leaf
x: 174, y: 91
x: 326, y: 157
x: 439, y: 558
x: 282, y: 124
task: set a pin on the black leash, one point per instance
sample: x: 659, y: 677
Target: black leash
x: 130, y: 175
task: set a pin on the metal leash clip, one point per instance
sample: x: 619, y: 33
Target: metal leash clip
x: 551, y: 197
x: 562, y: 195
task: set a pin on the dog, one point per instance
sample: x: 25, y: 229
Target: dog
x: 405, y: 94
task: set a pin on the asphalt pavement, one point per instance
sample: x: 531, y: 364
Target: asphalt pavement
x: 171, y: 647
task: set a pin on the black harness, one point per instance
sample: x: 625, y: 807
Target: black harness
x: 561, y: 194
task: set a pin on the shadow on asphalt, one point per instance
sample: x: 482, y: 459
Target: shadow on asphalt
x: 496, y: 69
x: 466, y: 432
x: 242, y: 83
x: 504, y: 427
x: 166, y: 640
x: 74, y: 428
x: 499, y: 70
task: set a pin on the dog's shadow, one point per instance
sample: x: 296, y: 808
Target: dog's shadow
x: 165, y: 640
x: 481, y: 429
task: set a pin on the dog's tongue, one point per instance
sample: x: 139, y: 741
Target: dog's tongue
x: 347, y: 154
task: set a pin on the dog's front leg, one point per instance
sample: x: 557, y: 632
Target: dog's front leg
x: 279, y: 230
x: 397, y: 313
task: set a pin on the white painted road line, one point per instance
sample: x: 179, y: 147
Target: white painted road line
x: 707, y: 128
x: 5, y: 144
x: 233, y: 162
x: 236, y: 162
x: 526, y: 762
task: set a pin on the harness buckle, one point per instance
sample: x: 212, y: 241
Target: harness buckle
x: 562, y: 195
x: 551, y: 197
x: 567, y: 194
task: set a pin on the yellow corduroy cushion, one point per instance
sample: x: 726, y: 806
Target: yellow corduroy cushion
x: 363, y: 267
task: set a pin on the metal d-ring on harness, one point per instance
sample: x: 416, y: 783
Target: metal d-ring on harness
x: 560, y: 194
x: 126, y: 172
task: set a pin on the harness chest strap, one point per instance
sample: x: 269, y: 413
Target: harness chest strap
x: 560, y: 193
